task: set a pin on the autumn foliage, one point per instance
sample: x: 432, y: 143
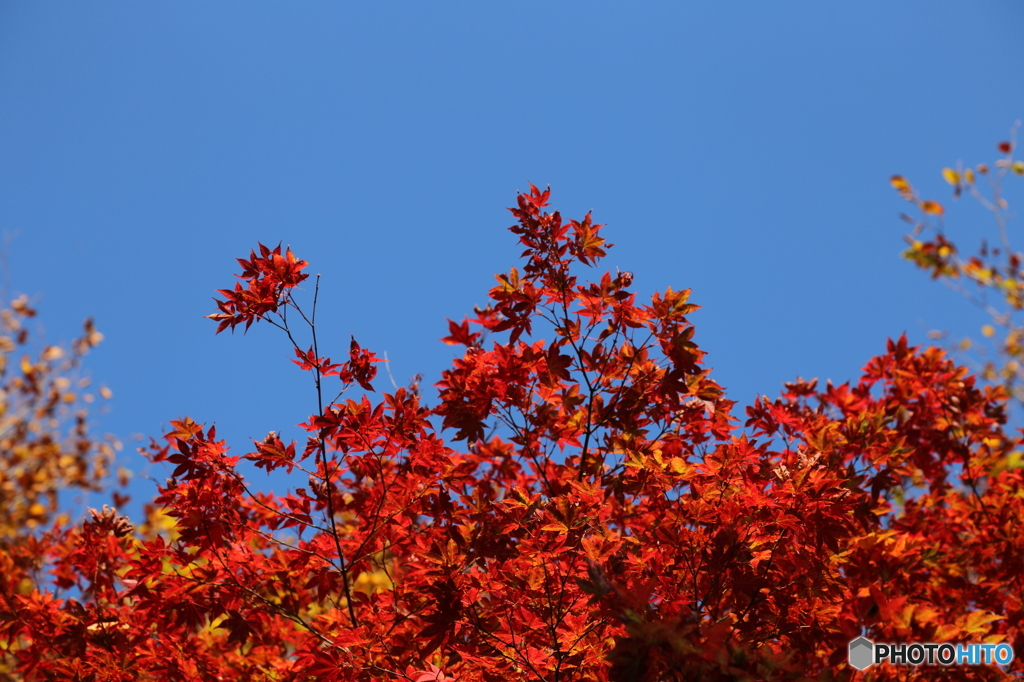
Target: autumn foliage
x: 45, y: 445
x: 581, y: 502
x: 992, y: 277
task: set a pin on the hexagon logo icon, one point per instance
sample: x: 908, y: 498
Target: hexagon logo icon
x: 861, y: 652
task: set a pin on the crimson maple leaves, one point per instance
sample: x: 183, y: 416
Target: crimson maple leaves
x: 597, y: 514
x: 269, y: 277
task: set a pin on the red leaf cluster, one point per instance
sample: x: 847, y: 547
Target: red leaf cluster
x: 268, y: 277
x: 597, y: 514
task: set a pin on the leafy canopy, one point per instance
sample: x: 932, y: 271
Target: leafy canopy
x: 581, y: 504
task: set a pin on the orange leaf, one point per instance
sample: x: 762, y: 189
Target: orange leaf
x: 900, y: 183
x: 978, y: 621
x: 557, y: 527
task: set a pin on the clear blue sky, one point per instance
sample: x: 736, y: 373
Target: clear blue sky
x: 738, y: 148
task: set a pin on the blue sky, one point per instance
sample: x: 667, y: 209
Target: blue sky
x: 741, y: 149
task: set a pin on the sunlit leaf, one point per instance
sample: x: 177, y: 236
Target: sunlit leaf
x: 900, y: 184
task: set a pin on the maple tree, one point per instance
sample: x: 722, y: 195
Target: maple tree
x: 45, y: 444
x: 581, y: 503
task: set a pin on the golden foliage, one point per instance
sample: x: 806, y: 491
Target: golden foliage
x: 45, y: 444
x: 994, y: 275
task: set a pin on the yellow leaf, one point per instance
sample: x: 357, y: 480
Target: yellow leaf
x: 905, y: 618
x: 969, y: 176
x: 634, y: 460
x: 509, y: 282
x: 557, y: 527
x: 1018, y: 167
x: 988, y: 331
x: 951, y: 176
x: 371, y: 582
x: 977, y: 621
